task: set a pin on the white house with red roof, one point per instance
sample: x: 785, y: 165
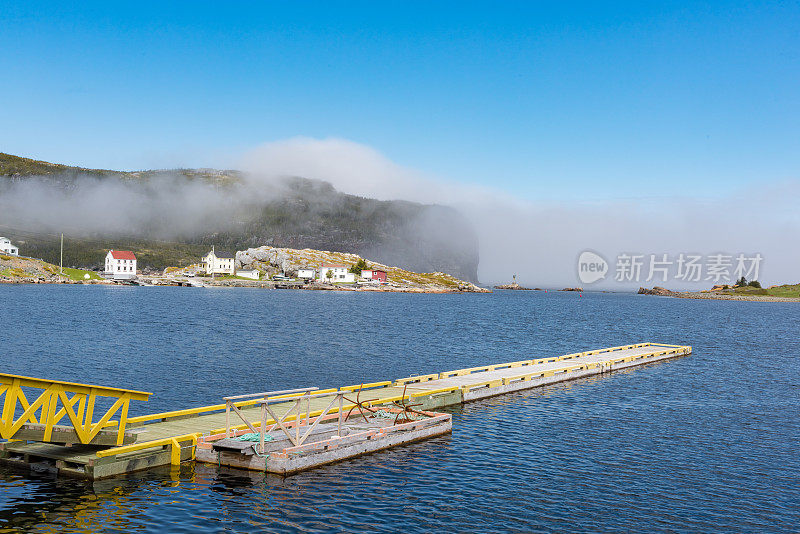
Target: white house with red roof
x: 120, y: 265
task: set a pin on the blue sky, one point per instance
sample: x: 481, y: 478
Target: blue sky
x: 545, y: 101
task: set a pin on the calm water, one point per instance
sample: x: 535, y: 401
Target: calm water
x: 706, y: 443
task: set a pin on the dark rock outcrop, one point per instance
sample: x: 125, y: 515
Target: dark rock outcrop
x: 513, y: 286
x: 657, y: 290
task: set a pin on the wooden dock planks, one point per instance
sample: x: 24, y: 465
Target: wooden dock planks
x: 432, y: 391
x: 488, y: 381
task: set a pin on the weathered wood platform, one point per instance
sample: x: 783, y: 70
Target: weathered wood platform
x: 327, y: 444
x: 171, y: 437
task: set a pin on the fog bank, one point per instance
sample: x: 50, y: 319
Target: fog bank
x: 541, y: 241
x: 538, y: 241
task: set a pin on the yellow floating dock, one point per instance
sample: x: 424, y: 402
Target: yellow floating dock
x: 172, y: 437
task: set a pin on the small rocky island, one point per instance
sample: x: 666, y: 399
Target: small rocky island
x: 514, y: 285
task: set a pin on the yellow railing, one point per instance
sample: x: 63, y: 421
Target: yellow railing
x: 416, y: 379
x: 373, y: 385
x: 523, y: 363
x: 174, y: 444
x: 163, y: 416
x: 672, y: 349
x: 77, y: 404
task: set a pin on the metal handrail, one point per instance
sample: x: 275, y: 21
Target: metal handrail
x: 285, y: 395
x: 269, y: 393
x: 278, y: 400
x: 266, y: 409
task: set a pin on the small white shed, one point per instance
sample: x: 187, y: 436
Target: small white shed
x: 306, y: 274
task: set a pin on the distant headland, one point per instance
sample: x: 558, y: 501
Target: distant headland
x: 743, y: 291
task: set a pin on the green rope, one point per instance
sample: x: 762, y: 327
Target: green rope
x: 254, y: 436
x: 383, y: 414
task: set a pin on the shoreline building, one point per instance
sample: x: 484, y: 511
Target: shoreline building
x: 120, y: 265
x: 252, y: 274
x: 306, y: 274
x: 6, y: 247
x: 219, y: 262
x: 377, y: 275
x: 339, y: 274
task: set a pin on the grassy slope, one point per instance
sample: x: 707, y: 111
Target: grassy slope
x: 80, y: 274
x: 231, y: 277
x: 11, y: 165
x: 16, y: 166
x: 17, y: 267
x: 786, y: 290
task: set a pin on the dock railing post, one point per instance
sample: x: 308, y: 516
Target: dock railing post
x: 308, y: 411
x: 297, y: 419
x: 227, y: 418
x: 263, y: 427
x: 341, y: 407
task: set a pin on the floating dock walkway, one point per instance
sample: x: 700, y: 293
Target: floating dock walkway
x: 281, y: 432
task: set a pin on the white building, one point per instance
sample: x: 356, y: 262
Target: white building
x: 7, y: 248
x: 306, y: 274
x: 339, y: 274
x: 251, y: 274
x: 120, y: 265
x: 218, y: 262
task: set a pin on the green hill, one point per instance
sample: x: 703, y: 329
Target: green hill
x: 786, y: 290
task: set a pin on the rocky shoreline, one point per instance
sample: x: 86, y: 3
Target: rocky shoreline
x: 269, y: 261
x: 146, y: 281
x: 312, y: 286
x: 711, y: 295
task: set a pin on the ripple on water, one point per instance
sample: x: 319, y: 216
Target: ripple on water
x: 706, y: 443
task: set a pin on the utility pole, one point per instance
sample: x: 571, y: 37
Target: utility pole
x: 61, y: 260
